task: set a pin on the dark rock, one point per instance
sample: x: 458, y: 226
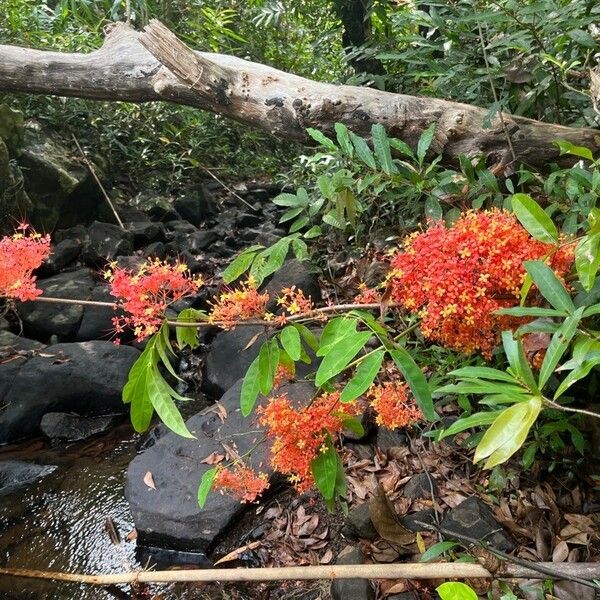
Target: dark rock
x: 248, y: 220
x: 420, y: 486
x: 196, y: 206
x: 96, y: 322
x: 146, y: 232
x: 155, y: 250
x: 169, y: 516
x: 14, y: 351
x: 18, y: 473
x: 84, y: 377
x: 10, y: 342
x: 78, y: 233
x: 11, y: 127
x: 193, y: 242
x: 390, y: 438
x: 473, y: 518
x: 357, y: 589
x: 63, y: 254
x: 130, y: 263
x: 412, y: 520
x: 403, y: 596
x: 358, y: 524
x: 60, y: 185
x: 230, y: 357
x: 268, y: 238
x: 41, y: 320
x: 294, y: 273
x: 104, y: 242
x: 130, y: 214
x: 180, y: 227
x: 169, y: 559
x: 72, y: 428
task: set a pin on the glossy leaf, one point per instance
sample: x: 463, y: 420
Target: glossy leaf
x: 240, y: 264
x: 437, y: 550
x: 187, y: 336
x: 322, y: 139
x: 324, y: 469
x: 340, y: 355
x: 549, y: 285
x: 532, y: 216
x: 587, y: 260
x: 362, y: 150
x: 425, y: 142
x: 416, y: 381
x: 206, y: 483
x: 290, y: 340
x: 513, y: 348
x: 343, y: 139
x: 483, y: 373
x: 454, y: 590
x: 308, y: 336
x: 334, y: 331
x: 268, y: 359
x: 382, y: 149
x: 250, y: 388
x: 164, y: 406
x: 363, y: 377
x: 474, y: 420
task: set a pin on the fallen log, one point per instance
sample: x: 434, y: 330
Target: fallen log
x: 284, y: 104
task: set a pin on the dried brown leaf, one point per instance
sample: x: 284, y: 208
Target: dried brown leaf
x: 386, y: 521
x: 149, y: 480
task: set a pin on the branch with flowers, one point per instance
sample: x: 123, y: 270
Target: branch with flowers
x: 491, y: 278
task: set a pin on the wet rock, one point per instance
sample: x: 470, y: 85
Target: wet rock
x: 230, y: 355
x: 420, y: 486
x: 96, y: 323
x: 155, y: 250
x: 63, y: 254
x: 169, y: 516
x: 15, y: 474
x: 11, y: 343
x: 358, y: 524
x: 67, y: 427
x: 104, y: 242
x: 473, y: 518
x: 171, y: 559
x: 357, y: 589
x: 146, y: 232
x: 42, y: 320
x: 14, y: 351
x: 84, y: 377
x: 60, y: 185
x: 78, y: 232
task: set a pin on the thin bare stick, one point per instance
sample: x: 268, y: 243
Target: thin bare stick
x: 580, y: 411
x: 585, y: 571
x: 229, y: 189
x: 51, y: 300
x: 93, y: 172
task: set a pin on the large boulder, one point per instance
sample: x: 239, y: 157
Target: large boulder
x: 104, y: 242
x: 15, y: 474
x: 67, y: 427
x: 169, y: 516
x: 60, y: 185
x: 85, y: 378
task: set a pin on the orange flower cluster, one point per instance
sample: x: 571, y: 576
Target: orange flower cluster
x: 239, y: 304
x: 147, y: 293
x: 20, y: 255
x: 456, y: 277
x: 283, y: 374
x: 242, y: 482
x: 298, y: 435
x: 393, y: 406
x: 294, y: 301
x: 367, y: 295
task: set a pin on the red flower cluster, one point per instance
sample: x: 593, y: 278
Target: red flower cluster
x: 456, y: 277
x: 241, y: 482
x: 283, y: 374
x: 20, y: 255
x: 147, y: 293
x: 393, y: 406
x: 298, y: 435
x: 239, y: 304
x: 367, y: 295
x: 294, y: 301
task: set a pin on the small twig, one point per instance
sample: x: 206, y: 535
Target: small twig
x: 51, y: 300
x: 581, y: 411
x: 96, y: 178
x: 229, y: 189
x: 500, y: 113
x: 544, y: 568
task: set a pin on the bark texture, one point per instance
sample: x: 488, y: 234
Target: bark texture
x: 282, y: 103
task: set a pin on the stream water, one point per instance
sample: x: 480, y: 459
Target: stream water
x: 58, y: 522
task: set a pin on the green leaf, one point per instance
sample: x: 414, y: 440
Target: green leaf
x: 334, y: 331
x: 484, y: 373
x: 322, y: 139
x: 206, y: 483
x: 250, y: 388
x: 532, y: 216
x: 587, y: 260
x: 424, y: 142
x: 290, y: 214
x: 433, y: 209
x: 402, y: 147
x: 479, y: 386
x: 276, y: 256
x: 340, y: 355
x: 382, y: 149
x: 569, y: 148
x: 343, y: 139
x: 268, y: 359
x: 141, y: 412
x: 531, y: 311
x: 308, y: 336
x: 324, y: 469
x: 332, y: 219
x: 188, y: 336
x: 549, y: 285
x: 291, y: 200
x: 136, y: 379
x: 354, y: 425
x: 164, y: 406
x: 240, y: 264
x: 558, y: 345
x: 508, y: 432
x: 437, y: 550
x: 474, y: 420
x: 313, y: 232
x: 454, y: 590
x: 290, y: 340
x: 517, y: 361
x: 363, y: 377
x: 362, y: 150
x: 162, y: 352
x: 416, y: 381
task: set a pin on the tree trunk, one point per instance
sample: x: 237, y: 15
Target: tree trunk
x: 282, y: 103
